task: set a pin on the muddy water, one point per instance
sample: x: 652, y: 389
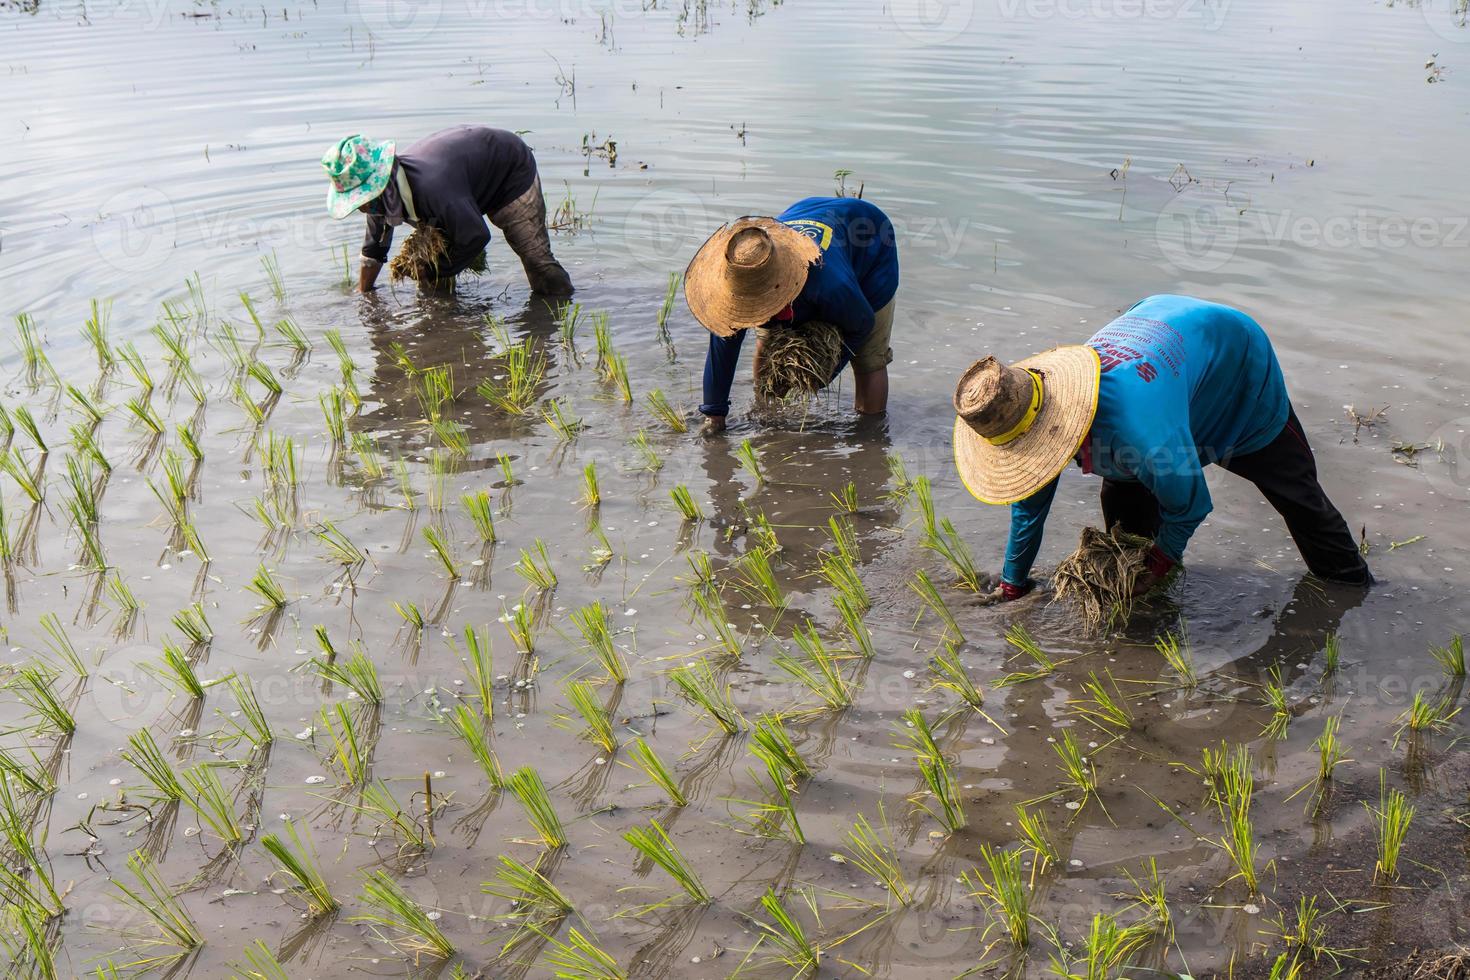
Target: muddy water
x: 1046, y: 164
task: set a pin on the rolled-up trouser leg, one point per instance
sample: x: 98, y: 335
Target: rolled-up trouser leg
x: 523, y: 223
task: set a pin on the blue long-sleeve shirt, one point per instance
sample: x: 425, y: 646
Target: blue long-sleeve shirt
x: 856, y: 276
x: 1185, y: 383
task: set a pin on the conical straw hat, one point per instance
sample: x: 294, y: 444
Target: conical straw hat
x: 746, y: 273
x: 1017, y: 426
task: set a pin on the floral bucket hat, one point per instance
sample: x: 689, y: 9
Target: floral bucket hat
x: 359, y: 169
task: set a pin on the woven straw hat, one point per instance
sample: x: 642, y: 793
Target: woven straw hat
x: 1017, y: 426
x: 746, y: 273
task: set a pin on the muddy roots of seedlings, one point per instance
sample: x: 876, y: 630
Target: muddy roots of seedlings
x: 422, y: 254
x: 798, y: 362
x: 1101, y: 574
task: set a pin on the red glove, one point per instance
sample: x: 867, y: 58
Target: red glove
x: 1158, y: 563
x: 1008, y: 592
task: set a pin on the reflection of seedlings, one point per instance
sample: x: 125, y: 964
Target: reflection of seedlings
x: 471, y: 731
x: 1005, y: 893
x: 157, y: 903
x: 658, y: 403
x: 657, y: 771
x: 940, y: 797
x: 1451, y: 658
x: 530, y: 792
x: 477, y: 506
x: 396, y: 919
x: 594, y: 714
x: 818, y: 671
x: 654, y: 843
x: 876, y: 855
x: 299, y: 865
x: 689, y: 508
x: 536, y: 568
x: 591, y: 622
x: 1175, y: 649
x: 750, y: 461
x: 697, y: 682
x: 926, y: 590
x: 1391, y: 819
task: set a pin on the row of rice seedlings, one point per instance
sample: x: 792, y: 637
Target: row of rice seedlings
x: 818, y: 670
x: 535, y: 567
x: 514, y: 392
x: 157, y: 903
x: 350, y: 752
x: 876, y: 855
x: 35, y: 687
x: 396, y: 919
x: 658, y: 773
x: 470, y: 730
x: 1280, y: 706
x: 579, y: 958
x: 596, y: 719
x: 750, y: 461
x: 535, y: 901
x: 477, y: 506
x: 301, y: 869
x: 1451, y: 657
x: 1108, y: 707
x: 520, y: 623
x: 1391, y: 820
x: 924, y: 587
x: 1174, y: 648
x: 658, y: 404
x: 652, y: 461
x: 757, y: 580
x: 440, y: 549
x: 212, y: 803
x: 530, y: 792
x: 940, y: 797
x: 940, y: 537
x: 1006, y: 894
x: 654, y: 843
x: 698, y: 684
x: 1423, y: 715
x: 591, y: 622
x: 689, y: 509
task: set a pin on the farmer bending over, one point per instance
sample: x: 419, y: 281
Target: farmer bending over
x: 1150, y: 400
x: 826, y: 268
x: 450, y: 181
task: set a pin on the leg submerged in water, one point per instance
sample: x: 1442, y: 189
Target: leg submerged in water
x: 523, y: 223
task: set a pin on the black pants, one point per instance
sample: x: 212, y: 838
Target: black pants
x: 1286, y: 474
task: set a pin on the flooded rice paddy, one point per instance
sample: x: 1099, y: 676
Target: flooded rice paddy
x: 298, y: 577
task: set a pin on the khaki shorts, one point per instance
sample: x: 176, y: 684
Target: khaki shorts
x: 876, y: 352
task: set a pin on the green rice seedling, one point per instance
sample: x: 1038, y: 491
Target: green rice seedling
x: 711, y: 610
x: 842, y: 575
x: 507, y: 473
x: 435, y: 389
x: 940, y: 537
x: 272, y: 269
x: 697, y: 682
x: 596, y: 718
x: 1331, y: 655
x: 356, y: 673
x: 1150, y: 895
x: 189, y: 439
x: 762, y: 534
x: 348, y: 750
x: 250, y: 311
x: 924, y: 587
x: 35, y: 688
x: 1078, y: 770
x: 857, y: 629
x: 1239, y: 842
x: 530, y: 792
x: 1105, y: 951
x: 652, y: 461
x: 774, y: 815
x: 657, y: 772
x: 846, y: 499
x: 617, y: 373
x: 95, y: 333
x: 670, y: 416
x: 818, y: 670
x: 7, y: 546
x: 26, y: 880
x: 787, y: 938
x: 1107, y: 707
x: 1005, y: 893
x: 480, y: 662
x: 261, y: 372
x: 199, y: 305
x: 264, y: 584
x: 300, y: 867
x: 144, y: 755
x: 1451, y: 658
x: 536, y: 568
x: 365, y: 448
x: 14, y: 466
x: 405, y: 484
x: 86, y: 407
x: 1423, y: 715
x: 435, y: 539
x: 26, y: 422
x: 1276, y: 699
x: 1391, y: 820
x: 1037, y: 833
x: 396, y: 919
x: 175, y: 671
x: 377, y: 801
x: 515, y: 391
x: 156, y: 902
x: 137, y: 367
x: 291, y: 336
x: 29, y: 338
x: 579, y: 958
x: 750, y: 461
x: 190, y: 533
x: 757, y: 580
x: 255, y: 728
x: 34, y: 778
x: 471, y: 731
x: 1024, y: 643
x: 84, y: 489
x: 146, y: 415
x: 702, y: 574
x: 1175, y: 649
x: 535, y: 898
x: 260, y: 964
x: 1331, y: 753
x: 654, y: 843
x: 84, y: 443
x: 671, y: 297
x: 339, y: 547
x: 771, y: 742
x: 212, y: 803
x: 602, y: 336
x: 344, y: 356
x: 477, y: 506
x: 591, y: 622
x: 567, y: 427
x: 591, y: 491
x: 568, y: 318
x: 935, y: 772
x: 689, y: 508
x: 334, y: 413
x: 844, y: 537
x: 520, y: 623
x: 952, y: 676
x: 877, y: 856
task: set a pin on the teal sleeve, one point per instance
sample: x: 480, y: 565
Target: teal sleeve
x: 1028, y: 521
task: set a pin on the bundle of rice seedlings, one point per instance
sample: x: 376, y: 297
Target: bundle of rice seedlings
x: 798, y: 361
x: 1101, y: 574
x: 422, y: 253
